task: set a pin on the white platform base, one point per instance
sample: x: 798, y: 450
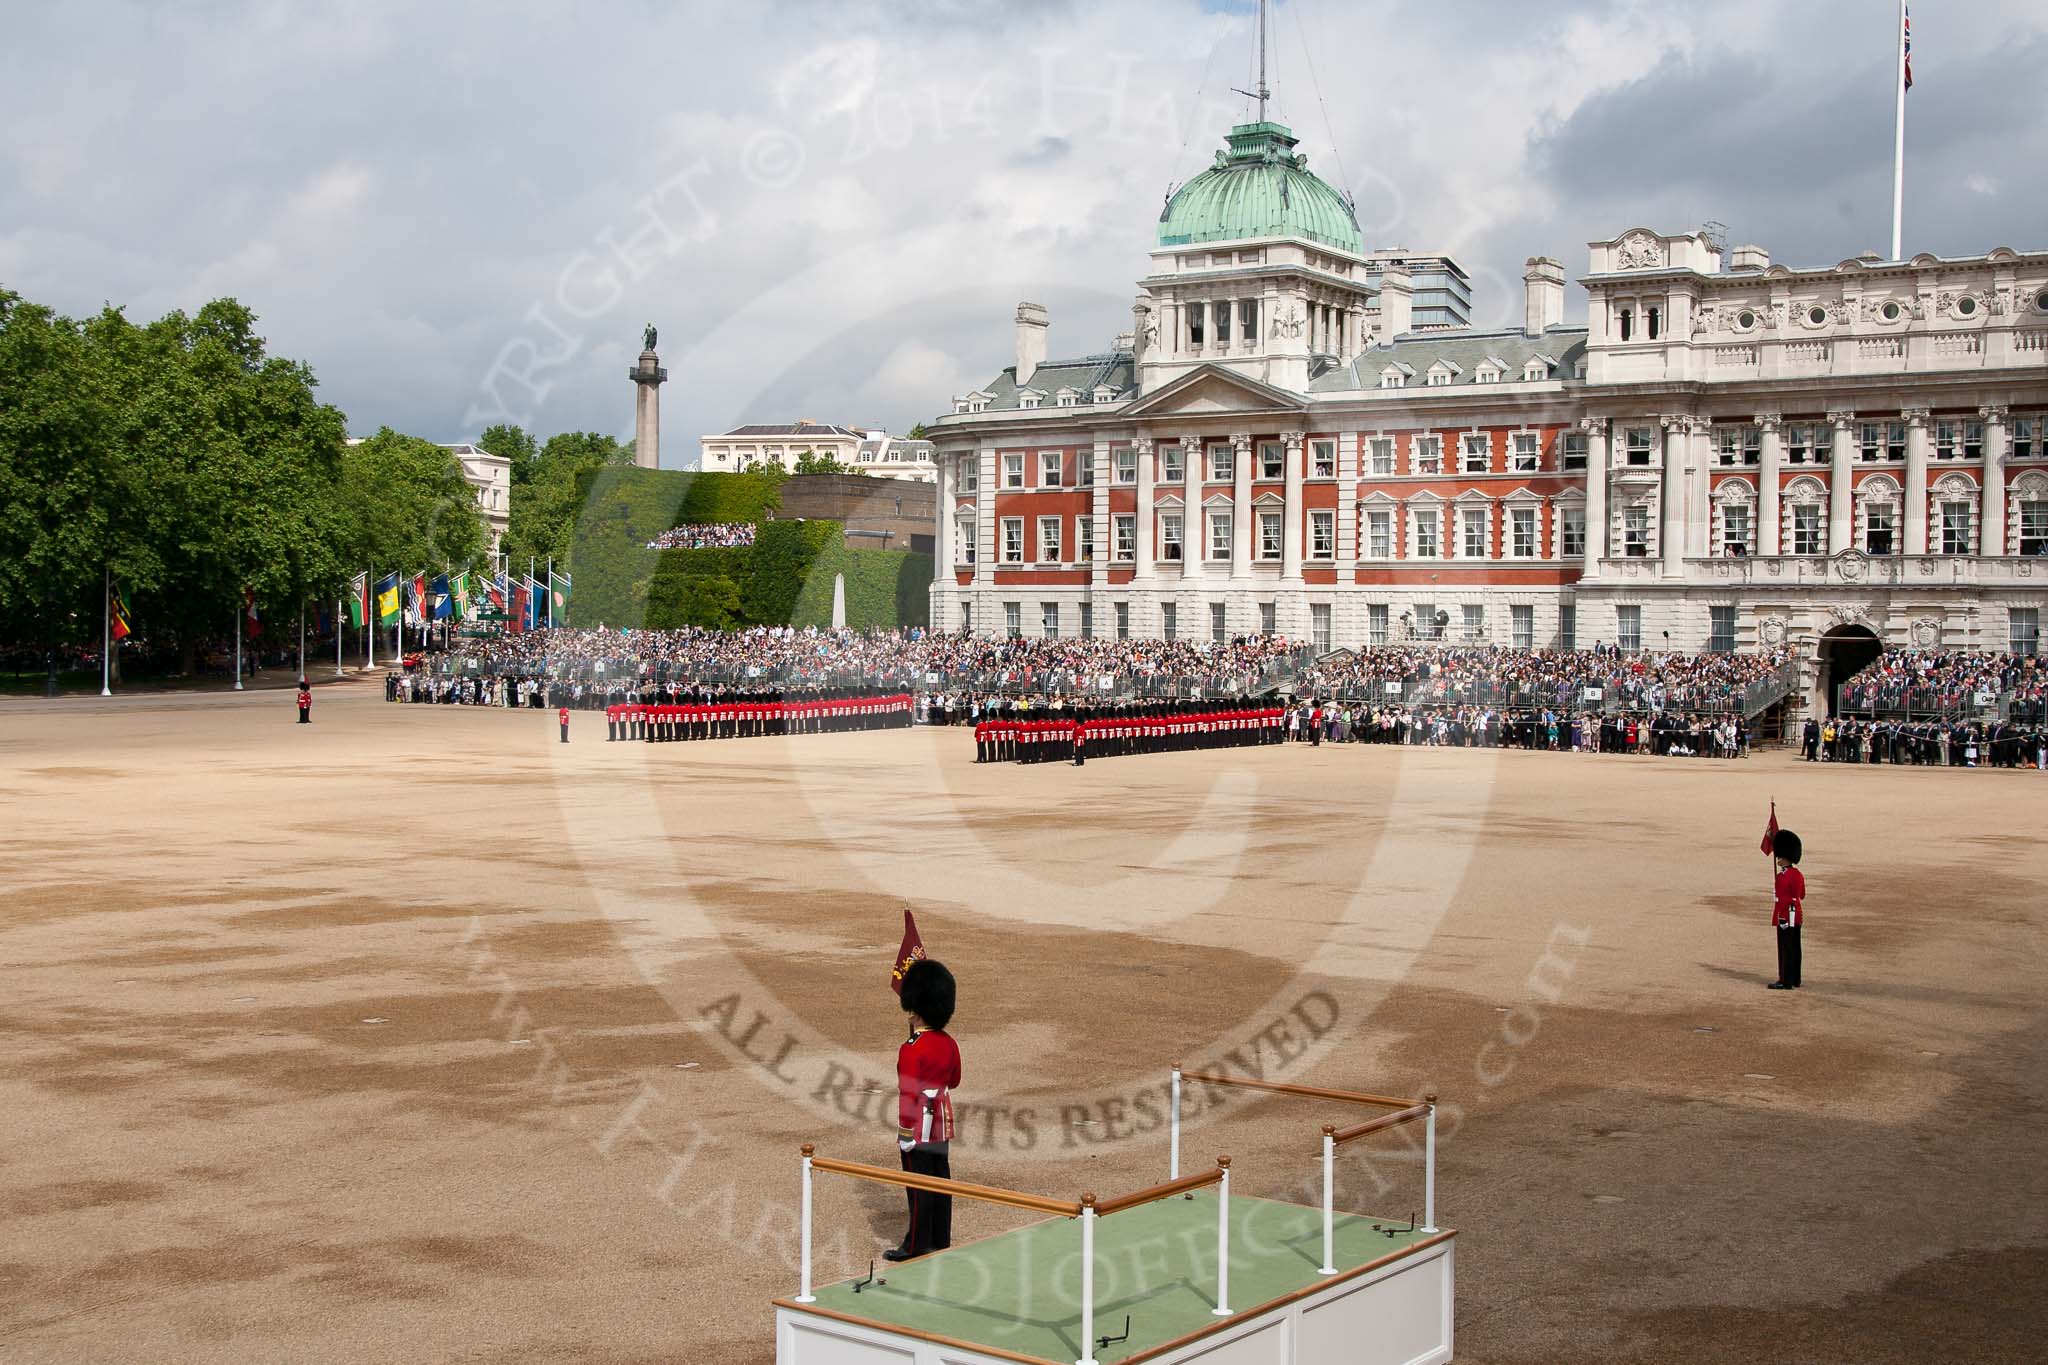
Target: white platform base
x: 1396, y: 1314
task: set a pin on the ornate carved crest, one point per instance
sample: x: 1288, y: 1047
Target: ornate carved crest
x: 1849, y: 614
x: 1639, y: 251
x: 1927, y: 632
x: 1852, y: 566
x: 1771, y: 630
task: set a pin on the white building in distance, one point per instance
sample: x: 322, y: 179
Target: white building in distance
x: 490, y: 478
x: 776, y: 445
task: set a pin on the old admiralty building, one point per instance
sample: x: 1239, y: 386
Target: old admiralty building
x: 1729, y: 454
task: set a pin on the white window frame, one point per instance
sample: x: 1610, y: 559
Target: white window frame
x: 1123, y: 529
x: 1368, y: 528
x: 1571, y: 527
x: 1426, y: 519
x: 1012, y: 530
x: 1534, y: 521
x: 1272, y: 536
x: 1171, y: 528
x: 1049, y: 542
x: 1218, y: 520
x: 1013, y: 470
x: 1051, y: 468
x: 1525, y: 452
x: 1172, y: 463
x: 1426, y: 450
x: 1469, y: 518
x: 1084, y: 539
x: 1322, y: 459
x: 1379, y: 455
x: 1272, y: 466
x: 1322, y: 533
x: 1222, y: 462
x: 1124, y: 462
x: 1475, y: 453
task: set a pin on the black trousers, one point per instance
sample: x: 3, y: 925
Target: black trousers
x: 565, y: 734
x: 1788, y: 955
x: 931, y: 1215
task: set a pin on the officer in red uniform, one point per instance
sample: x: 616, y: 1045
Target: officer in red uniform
x: 1788, y: 911
x: 927, y: 1073
x: 563, y: 716
x: 305, y: 703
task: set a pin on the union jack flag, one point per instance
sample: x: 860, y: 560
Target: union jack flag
x: 1906, y: 39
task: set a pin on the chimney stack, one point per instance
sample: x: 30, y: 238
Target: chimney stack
x: 1749, y: 258
x: 1542, y: 295
x: 1397, y: 302
x: 1031, y: 325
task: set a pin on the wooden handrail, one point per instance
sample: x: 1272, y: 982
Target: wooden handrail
x: 1393, y: 1120
x: 932, y: 1184
x: 1155, y: 1193
x: 1306, y: 1091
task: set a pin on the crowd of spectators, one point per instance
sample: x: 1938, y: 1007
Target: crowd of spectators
x: 1914, y: 682
x: 705, y: 535
x: 607, y: 663
x: 1599, y: 679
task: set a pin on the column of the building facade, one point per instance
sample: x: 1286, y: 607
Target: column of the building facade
x: 1671, y: 498
x: 1142, y: 568
x: 1241, y: 506
x: 1291, y: 525
x: 1699, y: 483
x: 985, y: 539
x: 1347, y: 614
x: 1194, y: 530
x: 1768, y: 505
x: 1841, y: 481
x: 1105, y: 549
x: 1596, y: 494
x: 1991, y: 534
x: 1916, y: 480
x: 943, y: 614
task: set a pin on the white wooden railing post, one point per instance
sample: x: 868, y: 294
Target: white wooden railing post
x: 1173, y: 1158
x: 1329, y: 1265
x: 803, y: 1292
x: 1087, y: 1280
x: 1222, y: 1308
x: 1429, y: 1168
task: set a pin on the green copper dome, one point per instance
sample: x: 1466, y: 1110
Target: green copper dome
x: 1260, y: 187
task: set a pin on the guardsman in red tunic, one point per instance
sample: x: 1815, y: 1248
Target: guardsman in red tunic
x: 305, y: 703
x: 927, y: 1073
x: 1788, y: 910
x: 563, y: 716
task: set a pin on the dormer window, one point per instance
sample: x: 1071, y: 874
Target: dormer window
x: 1537, y: 369
x: 1105, y: 394
x: 1067, y: 398
x: 1393, y: 377
x: 1030, y: 398
x: 1441, y: 374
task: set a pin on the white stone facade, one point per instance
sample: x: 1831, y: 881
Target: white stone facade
x: 1720, y: 458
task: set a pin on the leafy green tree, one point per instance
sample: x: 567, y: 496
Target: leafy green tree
x: 810, y: 462
x: 413, y: 511
x: 516, y: 444
x: 919, y: 432
x: 544, y: 509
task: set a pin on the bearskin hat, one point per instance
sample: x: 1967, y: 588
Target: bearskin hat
x: 928, y: 992
x: 1786, y: 845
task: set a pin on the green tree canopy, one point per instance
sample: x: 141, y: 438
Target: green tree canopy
x: 545, y: 506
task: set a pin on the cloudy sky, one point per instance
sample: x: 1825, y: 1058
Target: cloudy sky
x: 462, y: 212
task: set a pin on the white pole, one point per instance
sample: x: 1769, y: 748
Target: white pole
x: 1087, y: 1280
x: 240, y: 612
x: 369, y: 623
x: 1329, y: 1265
x: 302, y: 639
x: 1222, y: 1308
x: 1899, y: 137
x: 803, y: 1292
x: 1429, y: 1168
x: 1173, y: 1158
x: 106, y: 629
x: 340, y: 615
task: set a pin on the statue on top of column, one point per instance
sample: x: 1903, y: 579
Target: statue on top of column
x: 647, y: 336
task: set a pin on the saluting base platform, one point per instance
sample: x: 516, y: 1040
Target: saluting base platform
x: 1016, y: 1297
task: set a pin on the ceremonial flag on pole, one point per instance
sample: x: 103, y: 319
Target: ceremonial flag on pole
x: 517, y: 617
x: 444, y: 600
x: 387, y: 599
x: 1906, y: 44
x: 459, y: 591
x: 494, y: 593
x: 118, y: 607
x: 359, y: 600
x: 558, y: 585
x: 536, y: 605
x: 1771, y: 831
x: 419, y: 595
x: 252, y: 622
x: 911, y: 951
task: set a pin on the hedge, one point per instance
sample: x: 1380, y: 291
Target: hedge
x: 624, y: 508
x: 884, y: 588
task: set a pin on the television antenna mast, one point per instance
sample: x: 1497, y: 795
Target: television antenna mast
x: 1262, y: 94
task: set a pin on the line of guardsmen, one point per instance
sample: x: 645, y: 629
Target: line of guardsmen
x: 745, y: 714
x: 1008, y: 734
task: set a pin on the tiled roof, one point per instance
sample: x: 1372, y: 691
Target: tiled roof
x: 792, y: 429
x: 1464, y: 348
x: 1084, y: 375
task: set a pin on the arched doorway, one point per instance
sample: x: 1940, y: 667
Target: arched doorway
x: 1844, y: 652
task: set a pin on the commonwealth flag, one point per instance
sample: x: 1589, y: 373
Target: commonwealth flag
x: 442, y: 600
x: 459, y: 595
x: 117, y: 612
x: 558, y: 590
x: 387, y: 599
x: 359, y: 600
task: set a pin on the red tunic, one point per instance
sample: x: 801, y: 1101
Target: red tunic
x: 1789, y: 910
x: 930, y: 1060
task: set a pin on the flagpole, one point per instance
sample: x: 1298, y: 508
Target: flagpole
x: 1899, y: 136
x: 369, y: 622
x: 302, y: 639
x: 339, y: 617
x: 106, y: 629
x: 551, y: 592
x: 239, y: 613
